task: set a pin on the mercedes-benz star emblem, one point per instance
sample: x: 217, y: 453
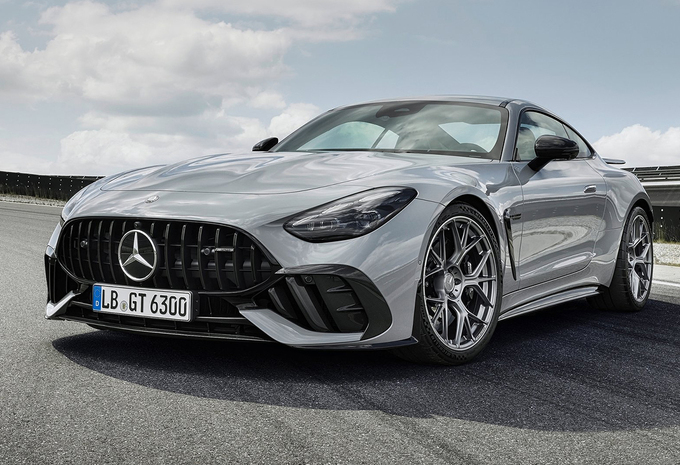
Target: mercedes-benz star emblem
x: 137, y: 255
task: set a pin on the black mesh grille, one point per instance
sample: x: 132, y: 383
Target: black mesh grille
x: 193, y: 256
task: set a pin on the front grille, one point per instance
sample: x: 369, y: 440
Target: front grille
x: 191, y: 255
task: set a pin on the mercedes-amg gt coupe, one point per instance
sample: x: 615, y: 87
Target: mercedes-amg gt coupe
x: 410, y: 224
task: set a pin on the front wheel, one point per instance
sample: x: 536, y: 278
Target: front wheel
x: 460, y: 290
x: 632, y: 280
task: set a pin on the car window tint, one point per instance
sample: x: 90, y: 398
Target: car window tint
x: 584, y: 151
x: 443, y: 128
x: 532, y: 126
x: 351, y: 135
x: 387, y: 141
x: 483, y: 135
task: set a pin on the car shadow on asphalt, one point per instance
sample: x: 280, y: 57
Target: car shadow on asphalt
x: 569, y: 368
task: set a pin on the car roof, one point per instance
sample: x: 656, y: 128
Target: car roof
x: 480, y: 99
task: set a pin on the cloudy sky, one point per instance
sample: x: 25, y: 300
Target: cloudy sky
x: 94, y: 87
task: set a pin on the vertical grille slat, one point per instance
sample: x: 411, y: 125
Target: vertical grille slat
x: 113, y: 270
x: 78, y: 249
x: 191, y: 255
x: 88, y: 239
x: 219, y: 261
x: 170, y: 258
x: 123, y: 230
x: 253, y: 268
x: 102, y: 276
x: 237, y: 260
x: 185, y: 256
x: 202, y: 259
x: 152, y: 233
x: 70, y: 248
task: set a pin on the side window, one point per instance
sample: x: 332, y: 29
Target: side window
x: 584, y: 151
x: 533, y: 125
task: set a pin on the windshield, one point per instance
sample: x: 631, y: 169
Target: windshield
x: 427, y: 127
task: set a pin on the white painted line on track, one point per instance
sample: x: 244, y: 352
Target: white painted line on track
x: 665, y: 283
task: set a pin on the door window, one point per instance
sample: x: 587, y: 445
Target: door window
x: 583, y: 150
x: 532, y: 126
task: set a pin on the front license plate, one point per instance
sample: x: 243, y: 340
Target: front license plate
x: 147, y: 303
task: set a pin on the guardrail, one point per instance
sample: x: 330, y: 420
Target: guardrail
x: 45, y: 186
x: 656, y: 173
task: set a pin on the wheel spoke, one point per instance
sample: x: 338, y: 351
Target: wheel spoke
x: 478, y: 289
x: 635, y: 283
x: 442, y: 244
x: 472, y: 245
x: 438, y: 313
x: 436, y: 257
x: 643, y: 274
x: 642, y: 231
x: 645, y: 251
x: 468, y: 327
x: 464, y: 238
x: 482, y: 261
x: 456, y: 241
x: 475, y: 318
x: 460, y: 321
x: 439, y: 269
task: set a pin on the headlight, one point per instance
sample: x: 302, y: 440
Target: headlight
x: 351, y: 216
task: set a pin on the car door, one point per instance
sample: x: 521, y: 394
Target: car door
x: 562, y: 208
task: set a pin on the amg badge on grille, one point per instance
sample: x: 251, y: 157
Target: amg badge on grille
x: 137, y: 254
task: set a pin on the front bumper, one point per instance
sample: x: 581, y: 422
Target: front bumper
x: 332, y: 306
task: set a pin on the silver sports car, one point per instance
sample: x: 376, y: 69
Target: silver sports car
x: 411, y: 224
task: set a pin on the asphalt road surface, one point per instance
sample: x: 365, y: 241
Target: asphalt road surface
x: 566, y: 385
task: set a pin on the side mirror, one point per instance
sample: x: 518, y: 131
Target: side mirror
x: 549, y: 148
x: 265, y: 145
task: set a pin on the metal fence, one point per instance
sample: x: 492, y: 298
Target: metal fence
x: 45, y: 186
x: 662, y: 183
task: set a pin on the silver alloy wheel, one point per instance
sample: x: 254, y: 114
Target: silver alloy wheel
x: 639, y: 258
x: 459, y: 282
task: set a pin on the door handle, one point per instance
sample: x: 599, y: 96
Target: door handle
x: 590, y: 189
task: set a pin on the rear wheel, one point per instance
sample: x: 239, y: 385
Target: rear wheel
x: 460, y: 289
x: 632, y: 281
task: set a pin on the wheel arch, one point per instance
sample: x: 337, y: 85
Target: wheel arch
x: 484, y: 209
x: 644, y: 203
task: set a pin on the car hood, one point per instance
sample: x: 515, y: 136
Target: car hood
x: 274, y: 173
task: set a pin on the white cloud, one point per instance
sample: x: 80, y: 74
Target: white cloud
x: 642, y: 146
x: 19, y: 162
x: 143, y: 59
x: 168, y: 80
x: 119, y: 142
x: 291, y: 119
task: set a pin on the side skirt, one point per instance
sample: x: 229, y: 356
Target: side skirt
x: 549, y: 301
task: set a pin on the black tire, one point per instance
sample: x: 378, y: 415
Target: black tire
x: 618, y: 297
x: 431, y: 348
